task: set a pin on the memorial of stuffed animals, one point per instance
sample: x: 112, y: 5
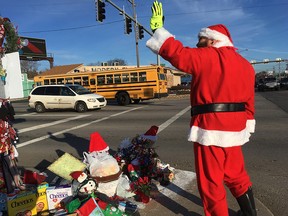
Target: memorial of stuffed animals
x: 99, y: 183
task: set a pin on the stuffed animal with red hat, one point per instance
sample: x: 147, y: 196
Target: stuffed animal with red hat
x: 86, y: 185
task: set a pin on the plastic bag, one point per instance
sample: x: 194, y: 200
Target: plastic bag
x: 103, y: 165
x: 123, y: 188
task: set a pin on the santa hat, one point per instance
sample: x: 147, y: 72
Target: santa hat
x: 79, y: 176
x: 97, y: 144
x: 151, y: 133
x: 217, y: 32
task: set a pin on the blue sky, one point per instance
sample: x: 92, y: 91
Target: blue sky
x: 258, y: 27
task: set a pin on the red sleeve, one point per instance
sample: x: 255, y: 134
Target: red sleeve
x: 185, y: 59
x: 250, y: 103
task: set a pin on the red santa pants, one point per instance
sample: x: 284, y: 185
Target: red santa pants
x: 215, y: 166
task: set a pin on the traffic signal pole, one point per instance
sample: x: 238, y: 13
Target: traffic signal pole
x: 134, y: 19
x: 135, y: 31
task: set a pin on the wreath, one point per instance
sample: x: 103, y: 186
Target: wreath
x: 8, y: 32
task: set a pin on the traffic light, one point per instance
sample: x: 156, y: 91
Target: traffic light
x: 100, y: 10
x: 128, y: 25
x: 140, y: 31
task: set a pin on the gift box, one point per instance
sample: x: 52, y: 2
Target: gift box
x: 41, y: 198
x: 90, y: 208
x: 33, y: 177
x: 54, y: 196
x: 22, y: 203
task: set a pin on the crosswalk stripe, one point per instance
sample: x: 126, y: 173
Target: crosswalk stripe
x: 73, y: 128
x: 50, y: 124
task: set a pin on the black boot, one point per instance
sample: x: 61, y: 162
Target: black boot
x: 247, y: 204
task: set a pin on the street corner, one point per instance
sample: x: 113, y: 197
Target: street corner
x: 183, y: 180
x: 180, y: 197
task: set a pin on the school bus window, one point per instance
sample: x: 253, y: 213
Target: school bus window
x: 52, y: 81
x: 109, y: 79
x: 46, y: 81
x: 68, y: 81
x: 100, y: 80
x: 77, y: 80
x: 60, y: 81
x: 92, y: 81
x: 162, y: 76
x: 117, y: 78
x: 85, y: 81
x: 142, y: 76
x: 125, y: 77
x: 134, y: 77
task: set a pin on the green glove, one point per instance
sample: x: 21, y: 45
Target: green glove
x: 157, y: 19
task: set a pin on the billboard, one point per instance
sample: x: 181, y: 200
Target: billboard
x: 33, y: 47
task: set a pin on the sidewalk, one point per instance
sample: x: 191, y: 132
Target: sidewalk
x: 181, y: 197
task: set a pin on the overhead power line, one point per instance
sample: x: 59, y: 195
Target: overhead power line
x: 71, y: 28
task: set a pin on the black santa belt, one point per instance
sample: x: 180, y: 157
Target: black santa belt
x: 217, y: 107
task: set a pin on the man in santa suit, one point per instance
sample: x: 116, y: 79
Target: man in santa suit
x: 222, y: 113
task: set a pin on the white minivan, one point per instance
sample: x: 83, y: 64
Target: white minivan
x: 64, y: 97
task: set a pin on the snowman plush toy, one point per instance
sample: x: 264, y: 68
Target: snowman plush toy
x: 85, y: 185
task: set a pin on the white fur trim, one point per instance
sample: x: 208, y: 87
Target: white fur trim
x: 103, y: 150
x: 158, y: 38
x: 82, y: 177
x: 218, y: 138
x: 250, y: 125
x: 212, y: 34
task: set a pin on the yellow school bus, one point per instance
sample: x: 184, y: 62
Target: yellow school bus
x: 125, y: 85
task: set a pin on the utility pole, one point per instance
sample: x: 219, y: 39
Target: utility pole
x: 134, y: 19
x: 135, y: 31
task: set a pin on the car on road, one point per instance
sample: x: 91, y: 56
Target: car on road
x: 284, y: 83
x: 268, y: 83
x: 64, y: 97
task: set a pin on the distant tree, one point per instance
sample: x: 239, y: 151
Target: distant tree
x: 29, y: 67
x: 120, y: 62
x: 110, y: 62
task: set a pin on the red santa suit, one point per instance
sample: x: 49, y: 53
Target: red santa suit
x: 219, y: 75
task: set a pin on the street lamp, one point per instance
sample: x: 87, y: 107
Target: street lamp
x: 279, y: 61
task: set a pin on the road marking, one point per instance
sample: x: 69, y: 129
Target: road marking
x: 174, y: 118
x: 73, y: 128
x: 50, y: 124
x: 53, y: 114
x: 28, y: 114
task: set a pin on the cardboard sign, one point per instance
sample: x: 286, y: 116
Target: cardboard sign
x: 22, y: 204
x: 55, y: 195
x: 41, y: 200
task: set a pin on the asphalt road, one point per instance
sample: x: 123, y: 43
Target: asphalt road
x: 44, y: 136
